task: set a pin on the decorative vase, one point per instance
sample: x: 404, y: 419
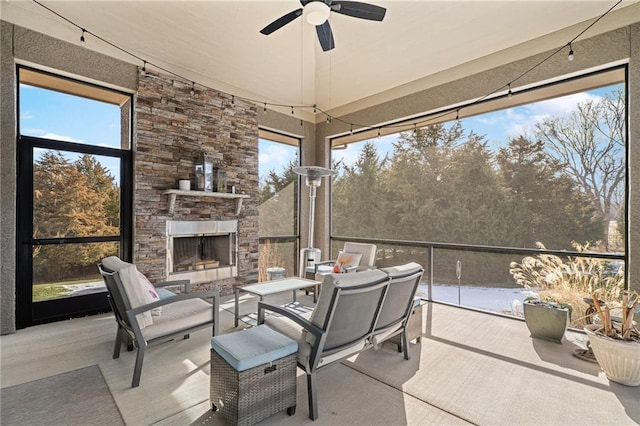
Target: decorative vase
x: 619, y: 359
x: 546, y: 322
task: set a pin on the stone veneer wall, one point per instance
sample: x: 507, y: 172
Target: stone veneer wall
x: 173, y: 128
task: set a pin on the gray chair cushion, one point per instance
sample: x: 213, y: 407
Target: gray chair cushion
x: 177, y: 316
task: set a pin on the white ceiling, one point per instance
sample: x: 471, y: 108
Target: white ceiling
x: 419, y: 43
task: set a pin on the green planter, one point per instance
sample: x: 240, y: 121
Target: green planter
x: 546, y: 322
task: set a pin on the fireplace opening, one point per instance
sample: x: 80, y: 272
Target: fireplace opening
x: 202, y: 250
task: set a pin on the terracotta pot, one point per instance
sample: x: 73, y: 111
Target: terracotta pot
x: 546, y: 322
x: 619, y: 359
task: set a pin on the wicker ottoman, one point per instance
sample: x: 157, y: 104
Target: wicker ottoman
x: 253, y: 375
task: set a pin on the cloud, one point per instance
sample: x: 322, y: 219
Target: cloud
x: 275, y: 156
x: 522, y: 120
x: 60, y: 138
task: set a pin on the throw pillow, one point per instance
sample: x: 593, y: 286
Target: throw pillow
x: 153, y: 293
x: 134, y: 291
x: 347, y: 260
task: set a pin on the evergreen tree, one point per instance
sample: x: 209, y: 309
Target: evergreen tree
x: 549, y: 205
x: 71, y: 200
x: 358, y: 200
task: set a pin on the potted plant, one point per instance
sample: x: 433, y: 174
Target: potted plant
x: 616, y: 340
x: 546, y: 317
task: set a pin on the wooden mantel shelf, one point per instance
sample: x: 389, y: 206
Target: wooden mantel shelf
x: 173, y: 193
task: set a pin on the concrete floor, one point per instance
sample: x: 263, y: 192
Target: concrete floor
x: 471, y: 368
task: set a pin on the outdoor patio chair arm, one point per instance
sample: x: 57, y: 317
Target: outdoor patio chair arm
x: 301, y: 321
x: 215, y: 294
x: 324, y: 262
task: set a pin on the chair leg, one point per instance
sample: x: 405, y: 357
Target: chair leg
x: 313, y: 399
x: 405, y: 343
x: 137, y: 370
x: 118, y: 344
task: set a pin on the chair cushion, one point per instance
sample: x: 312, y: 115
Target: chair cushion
x: 180, y: 315
x: 136, y: 292
x: 294, y: 331
x: 331, y: 281
x: 252, y: 347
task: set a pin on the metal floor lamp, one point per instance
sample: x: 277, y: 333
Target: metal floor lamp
x: 313, y: 179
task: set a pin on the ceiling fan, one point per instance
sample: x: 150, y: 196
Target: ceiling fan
x: 317, y: 13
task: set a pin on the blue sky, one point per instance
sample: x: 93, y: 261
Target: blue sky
x: 498, y: 126
x: 54, y: 115
x: 86, y: 121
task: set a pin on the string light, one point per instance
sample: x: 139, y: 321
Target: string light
x: 363, y: 127
x: 570, y: 57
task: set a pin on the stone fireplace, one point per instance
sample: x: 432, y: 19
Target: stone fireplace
x: 213, y: 241
x: 202, y: 250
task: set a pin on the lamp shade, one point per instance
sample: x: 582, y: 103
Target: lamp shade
x: 316, y: 12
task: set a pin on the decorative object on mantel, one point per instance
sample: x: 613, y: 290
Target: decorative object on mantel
x: 184, y: 185
x: 204, y: 173
x: 313, y: 179
x: 219, y: 179
x: 173, y: 193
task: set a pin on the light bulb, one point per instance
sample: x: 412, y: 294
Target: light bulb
x: 316, y: 12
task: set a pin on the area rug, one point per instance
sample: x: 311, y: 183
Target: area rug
x: 78, y: 397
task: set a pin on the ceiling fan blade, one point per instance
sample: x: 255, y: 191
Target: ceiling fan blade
x: 359, y: 10
x: 281, y: 22
x: 325, y: 36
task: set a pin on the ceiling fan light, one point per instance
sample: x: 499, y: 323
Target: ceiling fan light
x: 316, y: 12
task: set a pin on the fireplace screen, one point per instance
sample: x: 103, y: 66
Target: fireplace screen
x: 201, y: 252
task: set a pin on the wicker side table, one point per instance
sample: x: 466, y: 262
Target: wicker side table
x: 414, y: 326
x: 253, y: 375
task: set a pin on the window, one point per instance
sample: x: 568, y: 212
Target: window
x: 74, y: 177
x: 278, y: 225
x: 551, y: 171
x: 545, y: 168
